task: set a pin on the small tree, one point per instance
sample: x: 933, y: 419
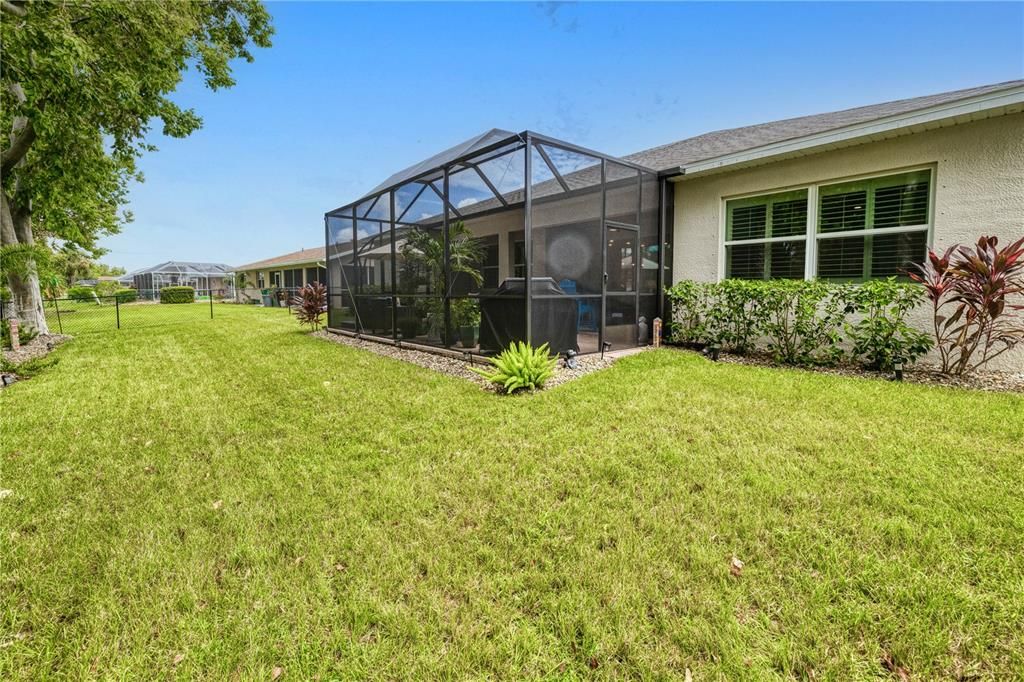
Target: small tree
x: 310, y: 303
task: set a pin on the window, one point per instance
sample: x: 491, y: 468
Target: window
x: 275, y: 279
x: 519, y: 258
x: 864, y: 229
x: 873, y: 228
x: 260, y: 282
x: 489, y: 268
x: 766, y: 236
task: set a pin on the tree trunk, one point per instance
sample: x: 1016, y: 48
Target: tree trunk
x: 16, y: 229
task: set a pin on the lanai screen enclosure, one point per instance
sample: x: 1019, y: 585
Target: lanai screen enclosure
x: 439, y: 254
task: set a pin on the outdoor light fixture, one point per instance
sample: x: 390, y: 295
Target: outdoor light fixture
x: 607, y: 345
x: 714, y: 350
x: 897, y: 366
x: 570, y: 359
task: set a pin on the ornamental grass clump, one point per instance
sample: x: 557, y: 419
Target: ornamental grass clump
x: 520, y: 366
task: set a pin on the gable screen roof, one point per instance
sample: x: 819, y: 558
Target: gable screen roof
x: 441, y: 158
x: 723, y: 142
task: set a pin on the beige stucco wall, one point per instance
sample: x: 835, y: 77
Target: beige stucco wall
x: 979, y: 189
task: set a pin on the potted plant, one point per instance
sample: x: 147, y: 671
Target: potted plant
x: 466, y: 317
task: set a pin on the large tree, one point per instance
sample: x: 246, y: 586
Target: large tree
x: 82, y: 82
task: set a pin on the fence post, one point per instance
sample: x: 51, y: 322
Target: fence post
x: 117, y: 309
x: 60, y: 327
x: 210, y: 291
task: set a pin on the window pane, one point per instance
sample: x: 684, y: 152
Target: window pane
x: 893, y: 254
x: 787, y: 260
x: 902, y: 204
x: 468, y: 192
x: 840, y: 212
x: 789, y: 218
x: 841, y: 258
x: 745, y: 261
x: 508, y: 174
x: 748, y: 222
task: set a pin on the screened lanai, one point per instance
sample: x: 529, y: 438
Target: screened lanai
x: 440, y: 253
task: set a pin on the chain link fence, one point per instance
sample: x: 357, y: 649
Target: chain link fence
x: 89, y: 314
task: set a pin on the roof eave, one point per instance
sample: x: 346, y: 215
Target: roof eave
x: 1010, y: 100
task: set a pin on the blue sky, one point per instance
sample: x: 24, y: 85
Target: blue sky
x: 352, y: 92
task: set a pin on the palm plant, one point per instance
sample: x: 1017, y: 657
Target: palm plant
x: 424, y: 263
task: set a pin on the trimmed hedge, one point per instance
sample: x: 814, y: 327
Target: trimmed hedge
x: 126, y: 295
x: 801, y: 322
x: 177, y: 295
x: 83, y: 294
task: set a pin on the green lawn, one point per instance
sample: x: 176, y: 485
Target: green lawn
x: 224, y: 497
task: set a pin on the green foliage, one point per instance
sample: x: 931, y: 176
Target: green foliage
x: 177, y: 295
x: 803, y: 320
x: 83, y: 295
x: 126, y: 295
x: 82, y: 84
x: 521, y: 367
x: 882, y: 334
x: 465, y: 312
x: 800, y: 322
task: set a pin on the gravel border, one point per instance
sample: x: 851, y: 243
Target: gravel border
x: 36, y: 348
x: 457, y: 367
x: 923, y: 373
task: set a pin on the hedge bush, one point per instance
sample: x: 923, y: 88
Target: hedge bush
x: 801, y: 322
x: 83, y: 294
x: 126, y: 295
x: 177, y: 295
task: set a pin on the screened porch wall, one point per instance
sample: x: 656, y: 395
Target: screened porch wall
x: 394, y: 271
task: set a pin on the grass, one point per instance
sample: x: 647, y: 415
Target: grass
x: 221, y: 498
x: 84, y: 317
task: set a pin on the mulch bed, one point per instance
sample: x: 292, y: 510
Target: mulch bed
x: 457, y: 367
x: 1006, y: 382
x: 34, y: 349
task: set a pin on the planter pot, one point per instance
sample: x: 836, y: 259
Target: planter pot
x: 468, y: 336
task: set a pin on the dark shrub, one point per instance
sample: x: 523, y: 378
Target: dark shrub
x: 310, y: 303
x: 177, y: 295
x: 126, y: 295
x: 973, y: 294
x: 83, y: 294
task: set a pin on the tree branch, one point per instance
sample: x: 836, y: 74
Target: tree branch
x: 23, y: 133
x: 11, y: 8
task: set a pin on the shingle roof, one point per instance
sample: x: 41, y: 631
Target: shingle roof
x: 317, y: 253
x: 721, y: 142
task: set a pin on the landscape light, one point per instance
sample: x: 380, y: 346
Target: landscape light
x: 897, y: 365
x: 714, y: 350
x: 570, y: 359
x: 607, y: 345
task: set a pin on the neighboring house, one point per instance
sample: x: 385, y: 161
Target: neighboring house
x: 288, y: 271
x: 203, y: 277
x: 848, y: 195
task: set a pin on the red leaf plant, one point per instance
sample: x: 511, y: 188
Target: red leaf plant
x: 310, y: 304
x: 978, y: 285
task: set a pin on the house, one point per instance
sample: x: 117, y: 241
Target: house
x: 286, y: 272
x: 848, y: 195
x: 205, y: 278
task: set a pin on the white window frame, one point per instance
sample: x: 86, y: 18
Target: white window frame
x: 812, y: 236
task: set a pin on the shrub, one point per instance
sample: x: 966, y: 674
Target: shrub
x: 177, y: 295
x: 978, y: 284
x: 802, y: 320
x: 882, y: 334
x: 689, y: 302
x: 520, y: 366
x: 83, y: 294
x: 310, y: 303
x: 126, y: 295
